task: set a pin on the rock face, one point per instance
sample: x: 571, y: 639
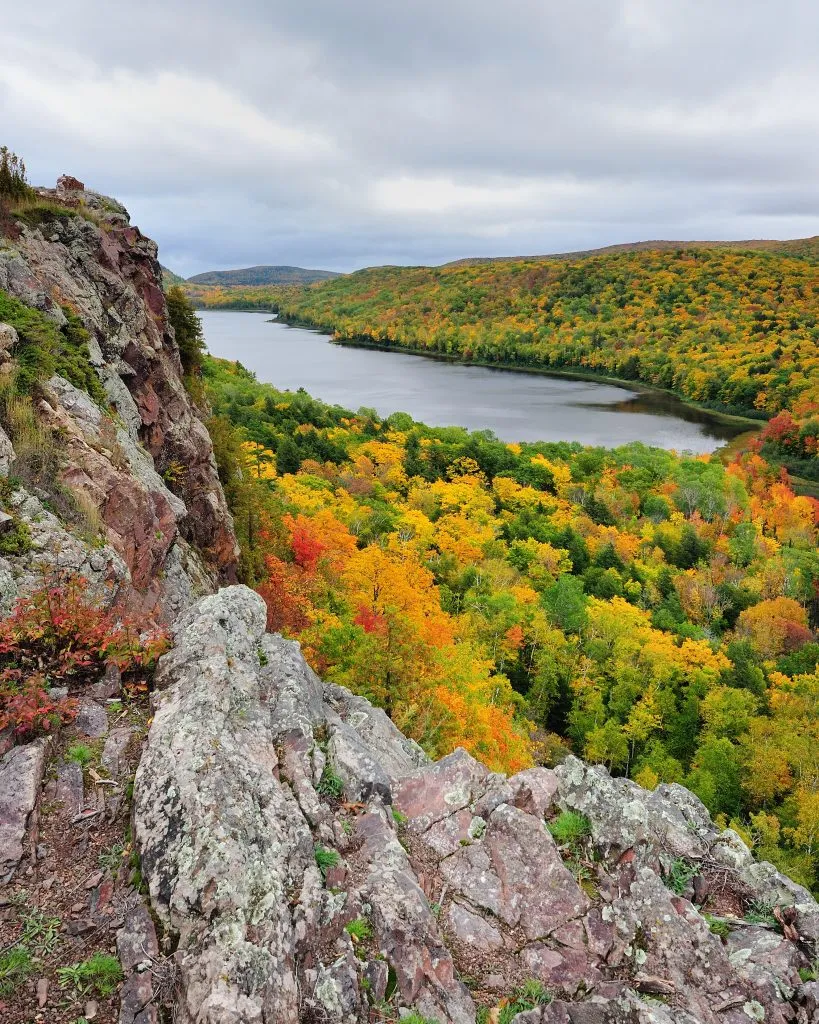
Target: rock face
x: 146, y: 466
x: 273, y: 811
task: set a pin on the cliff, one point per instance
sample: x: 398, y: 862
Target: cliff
x: 142, y: 461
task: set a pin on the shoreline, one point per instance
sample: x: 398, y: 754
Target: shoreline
x: 746, y: 427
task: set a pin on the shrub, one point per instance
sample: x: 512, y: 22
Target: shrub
x: 13, y: 181
x: 59, y: 635
x: 81, y: 753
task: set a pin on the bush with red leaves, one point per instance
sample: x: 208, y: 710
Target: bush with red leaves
x: 60, y: 636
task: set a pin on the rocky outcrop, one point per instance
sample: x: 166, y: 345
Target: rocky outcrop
x: 146, y: 464
x: 307, y: 862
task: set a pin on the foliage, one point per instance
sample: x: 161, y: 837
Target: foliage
x: 718, y: 926
x: 81, y: 753
x: 652, y: 612
x: 46, y: 348
x: 569, y: 828
x: 16, y: 966
x: 528, y: 996
x: 330, y: 784
x: 734, y: 329
x: 326, y: 859
x: 101, y: 973
x: 187, y: 329
x: 13, y: 181
x: 359, y: 929
x: 680, y: 875
x: 59, y: 635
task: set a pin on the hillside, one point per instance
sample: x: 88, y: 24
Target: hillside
x: 734, y: 330
x: 269, y: 275
x: 170, y: 279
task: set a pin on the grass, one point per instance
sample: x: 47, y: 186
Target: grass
x: 717, y: 926
x: 16, y: 965
x: 527, y: 996
x: 330, y: 784
x: 111, y: 859
x: 40, y: 932
x: 569, y: 828
x: 399, y: 818
x: 358, y: 930
x: 326, y: 859
x: 101, y: 973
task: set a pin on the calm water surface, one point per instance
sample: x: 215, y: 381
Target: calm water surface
x: 516, y: 406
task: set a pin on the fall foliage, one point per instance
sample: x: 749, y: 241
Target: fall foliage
x: 656, y: 613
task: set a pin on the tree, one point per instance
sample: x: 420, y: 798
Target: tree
x: 13, y: 183
x: 187, y: 329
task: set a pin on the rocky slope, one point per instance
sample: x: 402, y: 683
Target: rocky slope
x: 146, y: 465
x: 307, y: 862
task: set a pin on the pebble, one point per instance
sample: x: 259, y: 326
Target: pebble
x: 94, y: 880
x: 42, y: 991
x: 91, y: 1008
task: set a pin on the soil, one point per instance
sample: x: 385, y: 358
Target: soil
x: 78, y: 879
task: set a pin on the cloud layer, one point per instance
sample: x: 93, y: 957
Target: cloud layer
x: 339, y: 135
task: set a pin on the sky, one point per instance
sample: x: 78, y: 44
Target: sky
x: 347, y: 133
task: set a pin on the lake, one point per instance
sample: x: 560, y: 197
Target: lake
x: 516, y: 406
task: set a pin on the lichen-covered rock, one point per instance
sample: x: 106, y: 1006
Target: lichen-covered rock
x: 21, y: 775
x: 273, y: 813
x: 228, y: 819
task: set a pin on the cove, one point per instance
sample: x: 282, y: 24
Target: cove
x: 515, y: 405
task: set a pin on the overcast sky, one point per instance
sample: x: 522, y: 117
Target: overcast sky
x: 345, y: 133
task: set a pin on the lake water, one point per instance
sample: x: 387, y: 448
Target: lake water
x: 516, y: 406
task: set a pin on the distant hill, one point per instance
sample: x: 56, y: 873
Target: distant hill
x: 802, y: 248
x: 262, y: 275
x: 169, y: 278
x: 732, y: 325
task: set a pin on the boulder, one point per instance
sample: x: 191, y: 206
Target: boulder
x: 21, y: 777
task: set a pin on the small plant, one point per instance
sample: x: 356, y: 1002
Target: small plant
x: 110, y: 860
x: 16, y: 965
x: 358, y: 930
x: 482, y: 1016
x: 330, y: 783
x: 326, y: 859
x: 41, y: 933
x: 569, y: 828
x: 808, y: 973
x: 528, y: 996
x: 101, y: 973
x: 81, y: 753
x: 761, y: 912
x: 718, y: 926
x: 263, y: 658
x: 416, y: 1018
x: 346, y: 826
x: 680, y: 875
x: 399, y: 818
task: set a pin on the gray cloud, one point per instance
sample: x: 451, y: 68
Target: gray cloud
x: 345, y: 134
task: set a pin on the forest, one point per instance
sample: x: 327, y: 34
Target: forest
x: 652, y: 612
x: 736, y: 331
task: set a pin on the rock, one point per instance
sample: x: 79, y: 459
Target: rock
x: 109, y: 686
x: 6, y: 522
x: 94, y: 880
x: 91, y: 720
x: 42, y: 992
x: 8, y: 341
x: 7, y: 455
x: 68, y: 183
x: 91, y: 1009
x: 136, y: 1001
x: 21, y: 776
x: 70, y: 789
x: 435, y: 792
x: 116, y: 744
x: 473, y: 930
x: 229, y: 815
x: 137, y: 945
x: 81, y: 926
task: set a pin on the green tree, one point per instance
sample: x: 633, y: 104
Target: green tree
x: 188, y: 330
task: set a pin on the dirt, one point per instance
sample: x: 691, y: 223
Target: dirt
x: 78, y: 879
